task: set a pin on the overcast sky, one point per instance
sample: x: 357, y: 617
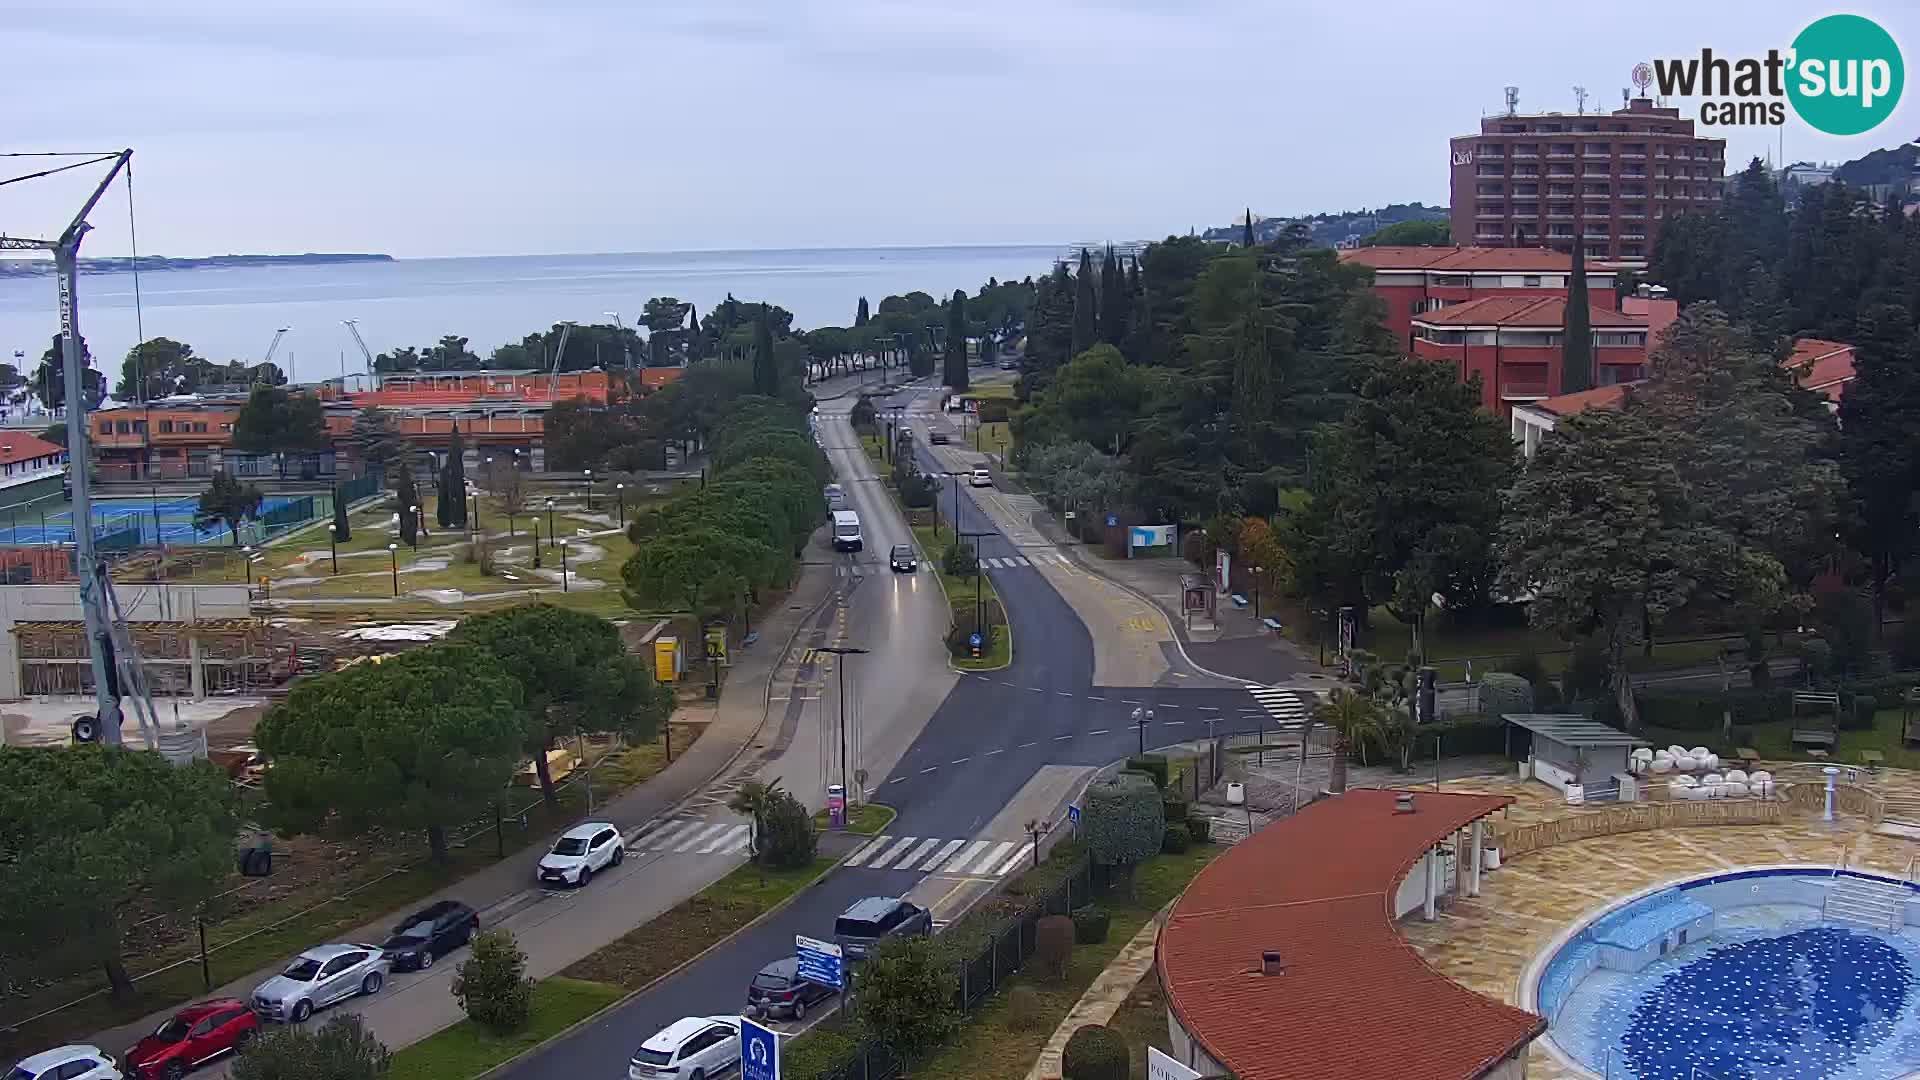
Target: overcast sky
x: 459, y: 127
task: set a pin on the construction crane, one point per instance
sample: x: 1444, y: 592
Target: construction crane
x: 115, y: 662
x: 274, y: 346
x: 353, y: 327
x: 553, y: 372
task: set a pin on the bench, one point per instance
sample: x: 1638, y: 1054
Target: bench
x: 1239, y: 601
x: 1872, y: 759
x: 1272, y: 624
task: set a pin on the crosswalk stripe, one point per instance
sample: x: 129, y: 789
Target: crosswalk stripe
x: 986, y: 859
x: 726, y: 837
x: 972, y: 851
x: 916, y: 855
x: 866, y: 852
x: 1021, y: 560
x: 1019, y: 857
x: 881, y: 860
x: 940, y: 856
x: 740, y: 843
x: 991, y: 564
x: 657, y: 839
x: 692, y: 840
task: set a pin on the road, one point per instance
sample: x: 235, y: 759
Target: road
x: 998, y: 749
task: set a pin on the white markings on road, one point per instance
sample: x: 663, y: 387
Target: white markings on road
x: 972, y: 851
x: 700, y: 840
x: 726, y: 840
x: 1063, y: 693
x: 881, y: 860
x: 906, y: 863
x: 1062, y: 738
x: 925, y: 771
x: 867, y: 851
x: 1098, y: 731
x: 959, y: 761
x: 1022, y: 856
x: 933, y: 862
x: 990, y: 753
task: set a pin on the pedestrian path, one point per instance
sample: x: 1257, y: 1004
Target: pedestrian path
x: 935, y: 855
x: 1288, y: 708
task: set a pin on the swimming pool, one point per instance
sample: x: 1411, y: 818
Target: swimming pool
x: 1743, y: 975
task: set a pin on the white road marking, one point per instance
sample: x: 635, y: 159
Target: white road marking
x: 933, y: 862
x: 973, y: 850
x: 917, y: 854
x: 1023, y: 855
x: 867, y: 851
x: 881, y: 860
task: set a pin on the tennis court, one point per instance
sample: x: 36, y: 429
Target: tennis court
x: 128, y: 523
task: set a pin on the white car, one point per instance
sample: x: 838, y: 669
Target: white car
x: 88, y: 1063
x: 318, y: 978
x: 981, y: 478
x: 579, y: 852
x: 692, y: 1048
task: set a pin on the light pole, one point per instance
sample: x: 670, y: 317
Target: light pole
x: 536, y: 543
x: 563, y: 566
x: 393, y: 562
x: 589, y: 490
x: 246, y: 565
x: 1256, y: 593
x: 620, y: 493
x: 550, y: 533
x: 1142, y: 718
x: 333, y: 546
x: 626, y: 352
x: 846, y: 774
x: 1035, y: 829
x: 473, y: 519
x: 415, y: 542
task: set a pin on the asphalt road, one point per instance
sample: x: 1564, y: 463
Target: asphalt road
x: 987, y: 737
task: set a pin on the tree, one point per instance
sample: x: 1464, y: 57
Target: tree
x: 1094, y: 1052
x: 1053, y: 945
x: 508, y: 485
x: 904, y: 998
x: 55, y: 434
x: 1086, y: 319
x: 575, y: 675
x: 156, y: 368
x: 377, y: 439
x: 861, y: 315
x: 1246, y: 232
x: 1355, y: 719
x: 1576, y: 351
x: 452, y: 507
x: 1113, y: 301
x: 1411, y: 234
x: 407, y: 504
x: 789, y: 840
x: 49, y: 379
x: 92, y: 832
x: 491, y: 985
x: 955, y: 367
x: 1124, y: 820
x: 276, y: 421
x: 227, y: 501
x: 1096, y: 398
x: 1880, y: 447
x: 425, y: 740
x: 766, y: 373
x: 340, y: 1049
x: 342, y: 532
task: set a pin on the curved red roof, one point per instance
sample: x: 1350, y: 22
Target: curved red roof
x: 1354, y: 999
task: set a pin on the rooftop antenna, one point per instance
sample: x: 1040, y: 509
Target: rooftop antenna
x: 1513, y: 100
x: 1580, y: 99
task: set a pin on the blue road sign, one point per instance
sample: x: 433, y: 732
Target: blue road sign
x: 1073, y: 815
x: 974, y: 639
x: 821, y: 961
x: 1112, y: 520
x: 759, y: 1052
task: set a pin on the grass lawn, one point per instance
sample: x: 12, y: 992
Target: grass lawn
x: 684, y: 931
x: 1142, y: 1021
x: 866, y: 819
x: 1775, y: 741
x: 871, y: 444
x: 1493, y: 647
x: 466, y: 1050
x: 962, y: 588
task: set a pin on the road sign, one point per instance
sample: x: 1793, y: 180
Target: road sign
x: 821, y: 961
x: 1112, y: 520
x: 975, y: 642
x: 759, y: 1052
x: 1162, y: 1067
x: 1073, y: 815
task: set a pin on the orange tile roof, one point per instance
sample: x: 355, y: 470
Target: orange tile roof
x: 1600, y: 397
x: 1548, y: 312
x: 1355, y: 1000
x: 1822, y: 365
x: 1460, y: 259
x: 18, y: 446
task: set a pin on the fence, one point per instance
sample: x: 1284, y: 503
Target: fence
x: 1517, y: 840
x: 360, y: 487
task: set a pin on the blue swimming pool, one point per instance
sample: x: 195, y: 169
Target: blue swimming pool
x: 1740, y: 976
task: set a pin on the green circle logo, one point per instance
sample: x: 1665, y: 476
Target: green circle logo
x: 1846, y: 76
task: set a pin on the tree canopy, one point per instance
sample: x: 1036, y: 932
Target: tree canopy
x: 275, y: 420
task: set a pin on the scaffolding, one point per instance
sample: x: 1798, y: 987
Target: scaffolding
x: 182, y: 659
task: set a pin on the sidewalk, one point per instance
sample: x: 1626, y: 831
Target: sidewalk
x: 737, y: 720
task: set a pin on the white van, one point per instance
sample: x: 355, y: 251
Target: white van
x: 846, y: 531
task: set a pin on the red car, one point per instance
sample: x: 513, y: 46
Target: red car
x: 197, y: 1034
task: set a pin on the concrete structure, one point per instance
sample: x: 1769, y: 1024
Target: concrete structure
x: 1514, y: 344
x: 196, y: 640
x: 1574, y: 750
x: 1605, y: 178
x: 1416, y: 280
x: 1283, y: 959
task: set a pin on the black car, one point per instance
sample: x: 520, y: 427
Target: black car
x: 869, y: 922
x: 780, y: 991
x: 903, y: 559
x: 429, y: 934
x: 937, y: 438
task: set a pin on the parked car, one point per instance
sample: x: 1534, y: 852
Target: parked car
x: 77, y: 1062
x: 318, y: 978
x: 778, y: 990
x: 692, y: 1048
x: 871, y: 921
x: 980, y: 477
x: 937, y: 438
x: 196, y: 1035
x: 431, y: 933
x: 904, y: 559
x: 579, y: 852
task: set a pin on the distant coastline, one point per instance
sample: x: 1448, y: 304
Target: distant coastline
x: 43, y: 267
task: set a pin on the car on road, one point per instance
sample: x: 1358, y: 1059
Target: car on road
x: 937, y: 438
x: 431, y: 933
x: 194, y: 1036
x: 980, y: 477
x: 580, y: 852
x: 779, y: 991
x: 903, y: 558
x: 872, y: 920
x: 318, y: 978
x: 76, y: 1062
x: 691, y: 1048
x: 836, y: 497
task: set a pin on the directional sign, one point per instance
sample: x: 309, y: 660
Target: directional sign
x: 1073, y: 815
x: 1113, y: 520
x: 1162, y: 1067
x: 821, y: 961
x: 759, y: 1052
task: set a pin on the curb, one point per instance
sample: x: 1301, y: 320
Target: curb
x: 1178, y: 643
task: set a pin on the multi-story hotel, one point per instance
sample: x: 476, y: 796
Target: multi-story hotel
x: 1605, y: 179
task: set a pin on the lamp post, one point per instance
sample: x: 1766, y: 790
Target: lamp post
x: 563, y: 566
x: 1035, y: 830
x: 333, y: 546
x: 589, y: 490
x: 846, y: 774
x: 393, y: 562
x: 415, y: 511
x: 550, y: 533
x: 1256, y: 593
x: 473, y: 519
x: 246, y: 559
x: 536, y: 543
x: 620, y: 493
x: 1142, y: 718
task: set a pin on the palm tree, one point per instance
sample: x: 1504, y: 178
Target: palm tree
x: 754, y: 799
x: 1355, y: 719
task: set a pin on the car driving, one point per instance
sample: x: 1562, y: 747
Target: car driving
x: 192, y: 1037
x: 318, y: 978
x: 691, y: 1048
x: 869, y: 922
x: 903, y: 559
x: 580, y: 852
x: 430, y: 933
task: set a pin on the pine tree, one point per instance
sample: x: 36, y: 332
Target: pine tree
x: 341, y: 531
x: 766, y: 376
x: 1880, y: 445
x: 408, y: 498
x: 455, y: 483
x: 1246, y: 234
x: 1113, y: 301
x: 1576, y: 352
x: 693, y: 334
x: 955, y: 375
x: 442, y: 500
x: 861, y: 314
x: 1085, y: 307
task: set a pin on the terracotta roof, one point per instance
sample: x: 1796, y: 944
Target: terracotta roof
x: 1549, y: 312
x: 1822, y: 365
x: 18, y: 446
x: 1460, y: 259
x: 1600, y: 397
x: 1355, y: 1000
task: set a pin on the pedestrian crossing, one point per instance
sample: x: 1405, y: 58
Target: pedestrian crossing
x: 1287, y: 707
x: 934, y: 855
x: 696, y: 837
x: 1041, y: 558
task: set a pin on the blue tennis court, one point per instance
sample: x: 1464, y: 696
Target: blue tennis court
x: 128, y: 523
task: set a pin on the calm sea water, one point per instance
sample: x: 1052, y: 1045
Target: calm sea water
x: 231, y: 314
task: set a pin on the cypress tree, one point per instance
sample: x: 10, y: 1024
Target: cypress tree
x: 1576, y: 351
x: 1085, y: 312
x: 456, y: 482
x: 766, y: 377
x: 693, y: 334
x: 1113, y: 301
x: 956, y: 359
x: 341, y: 531
x: 861, y: 315
x: 408, y: 497
x: 442, y: 500
x: 1246, y: 233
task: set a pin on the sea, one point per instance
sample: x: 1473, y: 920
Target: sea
x: 232, y: 313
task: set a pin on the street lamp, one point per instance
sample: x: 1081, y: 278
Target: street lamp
x: 620, y: 493
x: 589, y: 490
x: 846, y: 774
x: 393, y: 561
x: 1257, y: 571
x: 333, y: 546
x: 473, y: 518
x: 415, y: 542
x: 1142, y: 718
x: 563, y: 566
x: 536, y: 542
x: 1035, y: 830
x: 550, y: 532
x: 246, y: 558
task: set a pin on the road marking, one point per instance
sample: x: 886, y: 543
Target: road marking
x: 1098, y: 731
x: 1036, y: 689
x: 972, y: 851
x: 924, y: 772
x: 1021, y: 559
x: 960, y: 761
x: 705, y: 835
x: 810, y: 697
x: 1128, y: 701
x: 898, y: 780
x: 1024, y: 745
x: 881, y: 860
x: 1062, y: 738
x: 740, y: 843
x: 726, y: 839
x: 1209, y: 708
x: 782, y: 697
x: 1019, y: 858
x: 1093, y: 697
x: 917, y: 854
x: 1164, y: 706
x: 1063, y: 693
x: 990, y: 753
x: 985, y: 859
x: 933, y: 862
x: 657, y: 838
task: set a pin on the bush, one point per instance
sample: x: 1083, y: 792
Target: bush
x: 906, y: 994
x: 957, y: 643
x: 1096, y: 1053
x: 1860, y: 716
x: 1527, y: 665
x: 1173, y: 807
x: 1200, y: 828
x: 1053, y: 945
x: 916, y: 491
x: 1090, y: 924
x: 1546, y: 696
x: 1461, y: 733
x: 788, y: 840
x: 1124, y: 822
x: 1154, y: 765
x: 492, y: 984
x: 993, y: 410
x: 1503, y: 693
x: 960, y: 560
x: 1175, y: 840
x: 1193, y: 547
x: 1023, y: 1009
x: 340, y: 1049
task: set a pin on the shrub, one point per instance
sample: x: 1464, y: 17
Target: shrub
x: 1053, y: 945
x: 1096, y: 1053
x: 1124, y: 822
x: 1200, y: 828
x: 340, y: 1049
x: 1193, y: 547
x: 993, y: 410
x: 1527, y: 665
x: 1461, y: 733
x: 917, y: 492
x: 789, y: 840
x: 1023, y: 1009
x: 1502, y: 693
x: 957, y: 638
x: 960, y: 560
x: 1090, y: 924
x: 1860, y: 716
x: 1154, y: 765
x: 906, y: 994
x: 492, y: 984
x: 1175, y: 839
x: 1173, y: 807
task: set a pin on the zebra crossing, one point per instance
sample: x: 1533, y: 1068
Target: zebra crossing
x: 1287, y: 707
x: 1008, y: 562
x: 965, y: 858
x: 696, y: 836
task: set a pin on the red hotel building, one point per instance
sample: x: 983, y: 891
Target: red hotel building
x: 1514, y: 343
x: 1417, y: 280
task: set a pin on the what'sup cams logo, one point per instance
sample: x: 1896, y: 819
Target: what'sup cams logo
x: 1843, y: 76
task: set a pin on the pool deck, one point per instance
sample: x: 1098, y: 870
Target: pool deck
x: 1487, y: 942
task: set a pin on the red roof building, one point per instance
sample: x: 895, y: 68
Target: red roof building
x: 1514, y: 344
x: 1282, y: 960
x: 1822, y: 366
x: 19, y: 450
x: 1415, y: 280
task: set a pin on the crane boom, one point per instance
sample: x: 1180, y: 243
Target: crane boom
x: 353, y: 327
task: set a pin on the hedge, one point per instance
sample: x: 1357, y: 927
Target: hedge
x: 1463, y: 733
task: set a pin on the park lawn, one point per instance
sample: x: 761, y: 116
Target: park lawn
x: 1493, y: 648
x: 1142, y: 1021
x: 466, y: 1049
x: 1775, y: 741
x: 690, y: 927
x: 866, y: 819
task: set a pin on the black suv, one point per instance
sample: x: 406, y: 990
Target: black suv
x: 903, y: 559
x: 430, y: 933
x: 870, y: 921
x: 778, y: 990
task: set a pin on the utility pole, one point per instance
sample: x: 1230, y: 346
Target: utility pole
x: 846, y: 771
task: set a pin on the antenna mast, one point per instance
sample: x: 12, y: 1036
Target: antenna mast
x: 1513, y: 100
x: 1580, y: 97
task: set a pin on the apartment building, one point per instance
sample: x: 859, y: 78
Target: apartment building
x: 1515, y: 345
x: 1416, y: 280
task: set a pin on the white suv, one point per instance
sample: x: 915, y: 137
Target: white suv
x: 693, y: 1048
x: 78, y: 1062
x: 579, y: 852
x: 981, y: 477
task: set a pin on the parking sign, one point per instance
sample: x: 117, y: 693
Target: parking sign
x: 759, y: 1052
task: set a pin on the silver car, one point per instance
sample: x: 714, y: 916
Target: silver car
x: 318, y: 978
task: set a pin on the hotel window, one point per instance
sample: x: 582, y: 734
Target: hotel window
x: 120, y: 427
x: 1480, y: 337
x: 139, y: 427
x: 166, y: 427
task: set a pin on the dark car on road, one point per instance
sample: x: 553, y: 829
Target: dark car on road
x: 903, y: 559
x: 871, y: 921
x: 431, y: 933
x: 779, y: 991
x: 194, y: 1036
x: 937, y: 438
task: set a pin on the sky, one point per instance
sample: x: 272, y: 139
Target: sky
x: 467, y: 127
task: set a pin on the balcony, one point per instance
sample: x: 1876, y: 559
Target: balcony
x: 1561, y: 154
x: 1490, y: 236
x: 1556, y: 216
x: 1525, y: 390
x: 1526, y: 215
x: 1492, y: 170
x: 1524, y: 172
x: 1489, y: 153
x: 1633, y: 236
x: 1525, y: 155
x: 1599, y: 236
x: 1491, y: 214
